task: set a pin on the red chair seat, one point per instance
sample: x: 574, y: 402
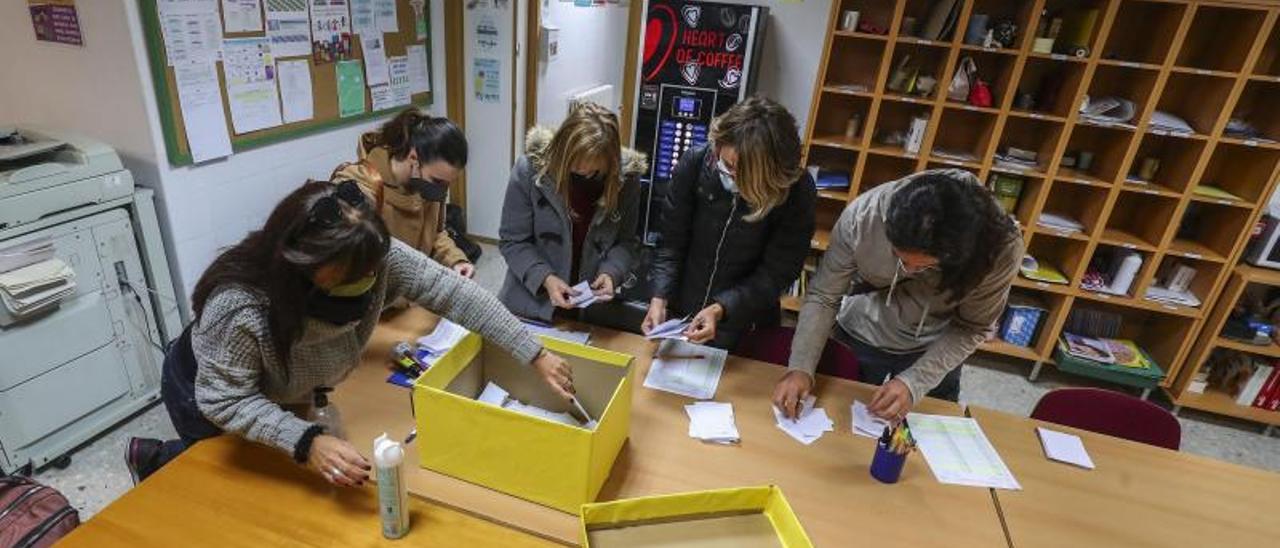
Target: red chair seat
x: 1110, y: 413
x: 773, y: 345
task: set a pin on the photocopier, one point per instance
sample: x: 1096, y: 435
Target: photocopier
x: 86, y: 297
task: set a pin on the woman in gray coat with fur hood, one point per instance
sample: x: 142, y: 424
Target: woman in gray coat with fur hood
x: 570, y: 215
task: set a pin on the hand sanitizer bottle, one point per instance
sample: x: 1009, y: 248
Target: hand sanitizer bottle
x: 388, y: 455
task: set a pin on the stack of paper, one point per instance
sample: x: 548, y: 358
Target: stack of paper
x: 1059, y: 222
x: 443, y: 338
x: 712, y: 422
x: 866, y: 424
x: 495, y: 395
x: 670, y: 329
x: 26, y: 254
x: 1165, y: 295
x: 686, y: 369
x: 36, y: 287
x: 580, y: 337
x: 809, y: 425
x: 1164, y: 121
x: 1064, y: 447
x: 959, y: 453
x: 584, y: 297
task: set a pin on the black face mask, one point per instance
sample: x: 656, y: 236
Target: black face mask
x: 337, y: 310
x: 430, y: 191
x: 586, y: 181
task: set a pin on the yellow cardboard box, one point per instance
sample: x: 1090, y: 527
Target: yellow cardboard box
x: 729, y: 518
x: 535, y: 459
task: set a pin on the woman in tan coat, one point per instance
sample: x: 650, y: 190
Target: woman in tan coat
x: 406, y: 168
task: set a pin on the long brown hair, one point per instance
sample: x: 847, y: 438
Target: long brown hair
x: 435, y: 138
x: 279, y: 259
x: 768, y: 143
x: 589, y: 132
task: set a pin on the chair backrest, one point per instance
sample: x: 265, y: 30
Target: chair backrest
x: 1110, y: 413
x: 773, y: 345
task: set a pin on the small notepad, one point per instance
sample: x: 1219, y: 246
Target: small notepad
x: 1064, y: 447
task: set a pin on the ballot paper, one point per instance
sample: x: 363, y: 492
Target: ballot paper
x: 443, y: 337
x: 670, y: 329
x: 1064, y: 447
x: 959, y: 453
x: 580, y: 337
x: 584, y: 297
x: 809, y: 425
x: 712, y: 422
x: 865, y: 423
x: 687, y: 369
x: 495, y: 395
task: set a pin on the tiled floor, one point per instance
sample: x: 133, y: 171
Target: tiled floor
x: 97, y: 474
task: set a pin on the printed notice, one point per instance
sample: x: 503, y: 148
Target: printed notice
x: 295, y: 90
x: 202, y: 113
x: 251, y: 84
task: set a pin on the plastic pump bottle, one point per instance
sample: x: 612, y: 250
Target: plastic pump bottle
x: 326, y: 414
x: 388, y: 456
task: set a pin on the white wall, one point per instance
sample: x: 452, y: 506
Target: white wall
x: 593, y: 45
x: 104, y: 90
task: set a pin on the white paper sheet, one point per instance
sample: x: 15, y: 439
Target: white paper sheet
x: 17, y: 256
x: 380, y: 97
x: 191, y: 37
x: 251, y: 84
x: 384, y: 12
x: 419, y: 75
x: 203, y: 117
x: 1064, y: 447
x: 375, y: 61
x: 687, y: 369
x: 670, y: 329
x: 959, y: 453
x: 493, y: 395
x: 288, y: 27
x: 580, y: 337
x: 712, y: 422
x: 865, y: 423
x: 242, y: 15
x: 497, y: 396
x: 295, y: 90
x: 362, y: 18
x: 584, y: 297
x: 186, y: 7
x: 809, y: 425
x: 398, y: 69
x: 443, y: 337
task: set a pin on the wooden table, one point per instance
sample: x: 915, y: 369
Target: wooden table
x: 229, y: 492
x: 1138, y: 495
x: 827, y: 483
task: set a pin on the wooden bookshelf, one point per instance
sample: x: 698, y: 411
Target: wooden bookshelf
x: 1210, y: 339
x: 1203, y: 61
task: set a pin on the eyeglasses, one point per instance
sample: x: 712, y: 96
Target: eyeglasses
x: 327, y: 212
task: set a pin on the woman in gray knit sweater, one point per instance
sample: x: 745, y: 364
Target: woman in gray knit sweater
x: 288, y: 311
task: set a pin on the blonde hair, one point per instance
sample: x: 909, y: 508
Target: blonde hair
x: 589, y: 132
x: 768, y: 144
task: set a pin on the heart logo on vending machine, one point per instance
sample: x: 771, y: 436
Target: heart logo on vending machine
x: 691, y: 15
x: 733, y: 42
x: 732, y: 78
x: 691, y: 72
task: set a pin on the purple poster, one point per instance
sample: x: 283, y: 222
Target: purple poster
x: 56, y: 23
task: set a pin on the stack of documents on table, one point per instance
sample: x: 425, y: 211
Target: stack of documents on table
x: 712, y: 422
x: 443, y: 338
x: 865, y: 423
x: 810, y: 425
x: 670, y: 329
x: 495, y: 395
x: 959, y: 452
x: 36, y: 287
x: 687, y: 369
x: 580, y: 337
x: 1064, y: 447
x: 584, y: 296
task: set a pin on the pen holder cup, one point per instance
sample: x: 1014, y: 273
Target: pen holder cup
x: 886, y: 465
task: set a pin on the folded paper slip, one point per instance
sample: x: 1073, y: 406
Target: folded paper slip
x: 712, y: 422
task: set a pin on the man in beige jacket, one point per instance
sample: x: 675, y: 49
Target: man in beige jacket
x: 917, y: 274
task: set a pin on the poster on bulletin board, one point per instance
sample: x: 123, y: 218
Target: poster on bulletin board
x: 231, y: 75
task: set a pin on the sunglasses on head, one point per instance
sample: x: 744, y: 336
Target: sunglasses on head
x: 327, y: 212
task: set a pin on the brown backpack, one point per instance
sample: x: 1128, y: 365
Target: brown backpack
x: 33, y: 515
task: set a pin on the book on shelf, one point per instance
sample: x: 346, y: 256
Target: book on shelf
x: 1008, y: 189
x: 1268, y: 390
x: 1216, y: 193
x: 1122, y: 352
x: 1033, y: 269
x: 1255, y: 385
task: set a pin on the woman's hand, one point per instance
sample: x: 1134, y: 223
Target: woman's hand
x: 792, y: 389
x: 703, y: 326
x: 891, y: 401
x: 556, y: 373
x: 561, y: 294
x: 338, y: 461
x: 656, y: 315
x: 465, y: 269
x: 603, y: 288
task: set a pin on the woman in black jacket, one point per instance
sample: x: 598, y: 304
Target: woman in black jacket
x: 736, y: 226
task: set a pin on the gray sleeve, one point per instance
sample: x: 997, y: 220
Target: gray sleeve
x: 516, y: 238
x: 824, y: 293
x: 416, y: 277
x: 226, y: 388
x: 617, y: 261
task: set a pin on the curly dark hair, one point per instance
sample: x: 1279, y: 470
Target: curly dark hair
x: 954, y: 220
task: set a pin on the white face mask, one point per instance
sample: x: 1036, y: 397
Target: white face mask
x: 726, y: 180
